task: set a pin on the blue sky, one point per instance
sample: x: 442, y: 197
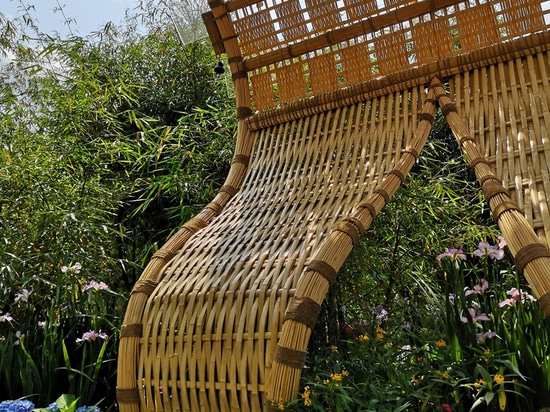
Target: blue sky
x: 90, y: 15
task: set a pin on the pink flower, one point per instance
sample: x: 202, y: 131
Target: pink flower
x: 475, y: 316
x: 6, y: 317
x: 478, y: 289
x: 516, y: 295
x: 96, y: 286
x: 485, y: 249
x: 501, y: 242
x: 454, y: 254
x: 73, y: 269
x: 482, y: 337
x: 446, y: 407
x: 23, y: 296
x: 92, y: 335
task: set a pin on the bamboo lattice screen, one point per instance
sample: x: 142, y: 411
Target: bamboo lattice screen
x: 335, y: 100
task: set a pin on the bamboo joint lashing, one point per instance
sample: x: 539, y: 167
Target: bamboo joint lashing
x: 164, y: 254
x: 230, y: 190
x: 303, y: 310
x: 479, y: 160
x: 491, y: 188
x: 242, y: 159
x: 324, y: 269
x: 351, y: 227
x: 370, y: 207
x: 195, y: 224
x: 135, y: 330
x: 504, y: 207
x: 488, y: 177
x: 215, y: 207
x: 426, y: 116
x: 398, y: 173
x: 127, y: 395
x: 290, y: 357
x: 464, y: 139
x: 448, y: 108
x: 528, y: 253
x: 146, y: 286
x: 382, y: 193
x: 412, y: 151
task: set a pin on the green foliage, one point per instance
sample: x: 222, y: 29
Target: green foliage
x: 105, y: 145
x: 481, y: 353
x: 390, y: 309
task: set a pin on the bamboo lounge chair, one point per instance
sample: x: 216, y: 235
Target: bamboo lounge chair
x: 335, y: 99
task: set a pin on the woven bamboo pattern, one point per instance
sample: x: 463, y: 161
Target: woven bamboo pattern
x: 342, y: 41
x: 335, y: 99
x: 506, y: 109
x: 211, y: 325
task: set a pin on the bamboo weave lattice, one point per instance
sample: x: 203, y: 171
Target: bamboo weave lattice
x: 335, y: 100
x: 300, y: 48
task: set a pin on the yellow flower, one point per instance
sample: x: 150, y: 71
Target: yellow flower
x: 442, y: 375
x: 440, y: 343
x: 336, y: 377
x: 479, y: 383
x: 414, y: 379
x: 362, y: 338
x: 345, y: 373
x: 306, y: 396
x: 388, y: 345
x: 498, y: 379
x: 334, y: 348
x: 281, y: 406
x: 326, y: 381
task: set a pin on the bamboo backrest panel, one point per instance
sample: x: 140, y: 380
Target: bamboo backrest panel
x: 335, y: 100
x: 293, y: 49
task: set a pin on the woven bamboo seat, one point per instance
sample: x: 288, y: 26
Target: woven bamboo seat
x: 335, y: 100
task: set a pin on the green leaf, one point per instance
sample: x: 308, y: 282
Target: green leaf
x: 66, y: 403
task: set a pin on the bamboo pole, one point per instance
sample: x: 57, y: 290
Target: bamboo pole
x: 530, y: 254
x: 284, y: 377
